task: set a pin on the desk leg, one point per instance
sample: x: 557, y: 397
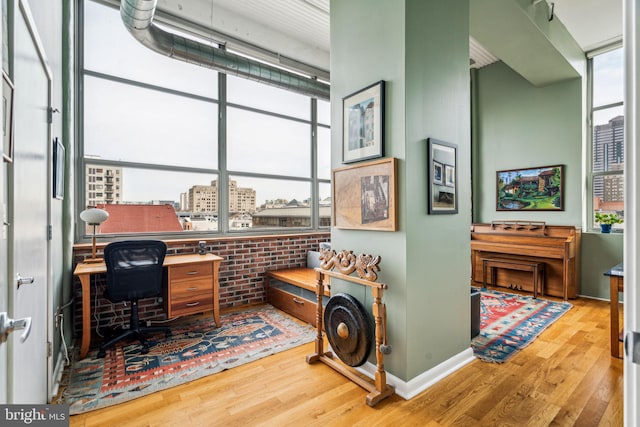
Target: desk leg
x: 85, y: 281
x: 216, y: 295
x: 614, y: 309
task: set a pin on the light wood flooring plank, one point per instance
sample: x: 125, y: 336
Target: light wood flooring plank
x: 565, y: 378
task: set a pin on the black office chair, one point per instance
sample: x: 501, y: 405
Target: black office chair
x: 134, y: 271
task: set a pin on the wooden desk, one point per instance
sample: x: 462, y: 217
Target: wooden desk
x: 185, y: 273
x: 616, y: 285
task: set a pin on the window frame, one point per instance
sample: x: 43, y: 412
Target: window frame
x: 221, y: 171
x: 590, y: 223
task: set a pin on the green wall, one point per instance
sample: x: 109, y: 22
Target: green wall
x: 600, y: 252
x: 421, y: 50
x: 522, y: 126
x: 438, y: 252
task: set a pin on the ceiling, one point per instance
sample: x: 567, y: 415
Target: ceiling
x: 299, y: 29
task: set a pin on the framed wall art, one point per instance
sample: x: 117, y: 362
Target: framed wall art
x: 442, y: 166
x: 365, y: 196
x: 7, y: 118
x: 531, y: 189
x: 363, y: 124
x: 58, y: 169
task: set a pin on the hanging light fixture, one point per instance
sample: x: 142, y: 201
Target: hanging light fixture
x: 94, y: 217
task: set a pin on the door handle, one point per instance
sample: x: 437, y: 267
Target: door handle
x: 23, y: 280
x: 8, y: 325
x: 632, y: 346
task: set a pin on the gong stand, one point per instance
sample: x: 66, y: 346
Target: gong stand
x: 366, y: 266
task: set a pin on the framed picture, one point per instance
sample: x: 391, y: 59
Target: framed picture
x: 364, y: 196
x: 7, y: 118
x: 363, y: 124
x: 58, y: 169
x: 532, y: 189
x: 442, y: 161
x: 437, y: 173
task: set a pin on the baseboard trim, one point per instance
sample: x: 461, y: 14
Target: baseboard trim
x: 410, y: 389
x: 57, y: 375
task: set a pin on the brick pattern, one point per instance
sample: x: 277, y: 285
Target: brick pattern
x: 240, y: 278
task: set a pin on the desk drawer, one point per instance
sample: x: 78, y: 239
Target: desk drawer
x: 186, y: 288
x: 195, y: 303
x: 191, y: 271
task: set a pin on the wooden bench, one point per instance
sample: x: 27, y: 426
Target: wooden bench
x: 492, y: 264
x: 293, y: 290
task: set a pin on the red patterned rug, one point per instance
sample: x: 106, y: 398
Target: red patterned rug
x: 510, y: 322
x: 193, y: 351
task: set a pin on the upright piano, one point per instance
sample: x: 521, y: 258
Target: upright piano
x: 557, y: 246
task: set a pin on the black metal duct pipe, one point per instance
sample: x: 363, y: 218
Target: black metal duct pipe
x: 137, y: 16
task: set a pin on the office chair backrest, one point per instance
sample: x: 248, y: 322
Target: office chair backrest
x: 134, y: 269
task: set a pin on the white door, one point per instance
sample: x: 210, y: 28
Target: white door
x: 29, y: 198
x: 632, y: 207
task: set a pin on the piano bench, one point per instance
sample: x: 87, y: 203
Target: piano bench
x: 536, y: 268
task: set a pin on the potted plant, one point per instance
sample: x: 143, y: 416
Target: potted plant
x: 606, y: 220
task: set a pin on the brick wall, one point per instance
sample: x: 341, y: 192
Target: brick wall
x: 241, y: 274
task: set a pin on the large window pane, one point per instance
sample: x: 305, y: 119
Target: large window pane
x: 608, y: 196
x: 324, y: 112
x: 608, y: 140
x: 266, y: 144
x: 324, y: 153
x: 143, y: 200
x: 129, y: 123
x: 279, y: 203
x: 325, y: 204
x: 607, y: 78
x: 269, y: 98
x: 110, y: 49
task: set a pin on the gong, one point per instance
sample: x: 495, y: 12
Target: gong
x: 349, y: 329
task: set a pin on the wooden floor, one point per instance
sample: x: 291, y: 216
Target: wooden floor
x: 565, y: 378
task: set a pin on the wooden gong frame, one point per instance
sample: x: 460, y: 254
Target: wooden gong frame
x: 366, y: 266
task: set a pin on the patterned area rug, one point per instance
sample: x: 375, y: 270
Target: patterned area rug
x: 509, y: 323
x: 193, y: 351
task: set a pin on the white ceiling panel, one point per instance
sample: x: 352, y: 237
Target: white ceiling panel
x: 299, y: 29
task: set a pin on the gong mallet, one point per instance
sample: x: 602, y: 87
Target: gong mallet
x: 384, y: 347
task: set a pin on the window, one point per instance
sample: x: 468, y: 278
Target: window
x: 607, y: 134
x: 155, y: 139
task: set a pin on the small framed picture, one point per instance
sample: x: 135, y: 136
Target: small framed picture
x: 363, y: 124
x: 7, y: 118
x: 437, y: 173
x: 58, y: 169
x: 442, y: 161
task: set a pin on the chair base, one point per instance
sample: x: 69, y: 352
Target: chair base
x: 136, y: 331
